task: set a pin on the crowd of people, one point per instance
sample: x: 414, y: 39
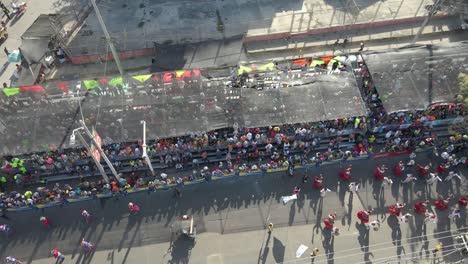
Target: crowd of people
x: 222, y: 151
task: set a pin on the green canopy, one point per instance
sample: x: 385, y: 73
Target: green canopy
x: 142, y: 78
x: 91, y: 84
x: 116, y: 81
x: 11, y: 91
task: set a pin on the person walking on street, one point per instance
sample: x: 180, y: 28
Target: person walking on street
x: 454, y: 213
x: 438, y: 248
x: 430, y: 217
x: 404, y: 218
x: 409, y: 178
x: 88, y: 217
x: 57, y: 254
x: 270, y: 228
x: 45, y: 221
x: 432, y: 178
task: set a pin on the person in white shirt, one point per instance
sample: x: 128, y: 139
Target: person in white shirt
x: 430, y: 217
x: 433, y: 177
x: 450, y: 176
x: 409, y: 178
x: 404, y: 218
x: 454, y: 213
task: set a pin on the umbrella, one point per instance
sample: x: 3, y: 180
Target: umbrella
x: 301, y: 250
x: 14, y: 56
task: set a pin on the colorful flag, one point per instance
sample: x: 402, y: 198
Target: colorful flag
x: 116, y: 81
x: 142, y: 78
x: 91, y: 84
x: 11, y: 91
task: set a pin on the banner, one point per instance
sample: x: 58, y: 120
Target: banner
x: 95, y: 151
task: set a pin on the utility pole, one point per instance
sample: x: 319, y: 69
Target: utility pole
x: 98, y: 147
x: 434, y: 8
x: 108, y: 38
x: 145, y: 153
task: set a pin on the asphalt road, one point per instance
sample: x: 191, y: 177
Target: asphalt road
x: 227, y: 206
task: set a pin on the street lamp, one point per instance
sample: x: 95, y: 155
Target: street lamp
x: 72, y: 136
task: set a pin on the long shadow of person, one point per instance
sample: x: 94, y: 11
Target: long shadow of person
x: 363, y: 239
x: 394, y: 224
x: 317, y: 227
x: 292, y: 213
x: 328, y: 243
x: 264, y: 252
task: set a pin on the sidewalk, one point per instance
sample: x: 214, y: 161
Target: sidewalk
x: 16, y: 28
x: 325, y: 15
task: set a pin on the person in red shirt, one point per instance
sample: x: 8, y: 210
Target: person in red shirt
x: 463, y: 201
x: 329, y: 221
x: 396, y: 209
x: 363, y: 215
x: 379, y: 172
x: 399, y: 168
x: 423, y: 170
x: 420, y: 207
x: 442, y: 204
x: 345, y: 175
x: 318, y: 182
x: 45, y: 221
x: 441, y: 169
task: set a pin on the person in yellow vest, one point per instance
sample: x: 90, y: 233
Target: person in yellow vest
x: 314, y: 253
x: 438, y: 248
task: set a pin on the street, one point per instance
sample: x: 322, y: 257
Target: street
x: 231, y: 216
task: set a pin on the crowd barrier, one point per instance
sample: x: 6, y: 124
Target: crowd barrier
x: 442, y: 122
x: 215, y: 178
